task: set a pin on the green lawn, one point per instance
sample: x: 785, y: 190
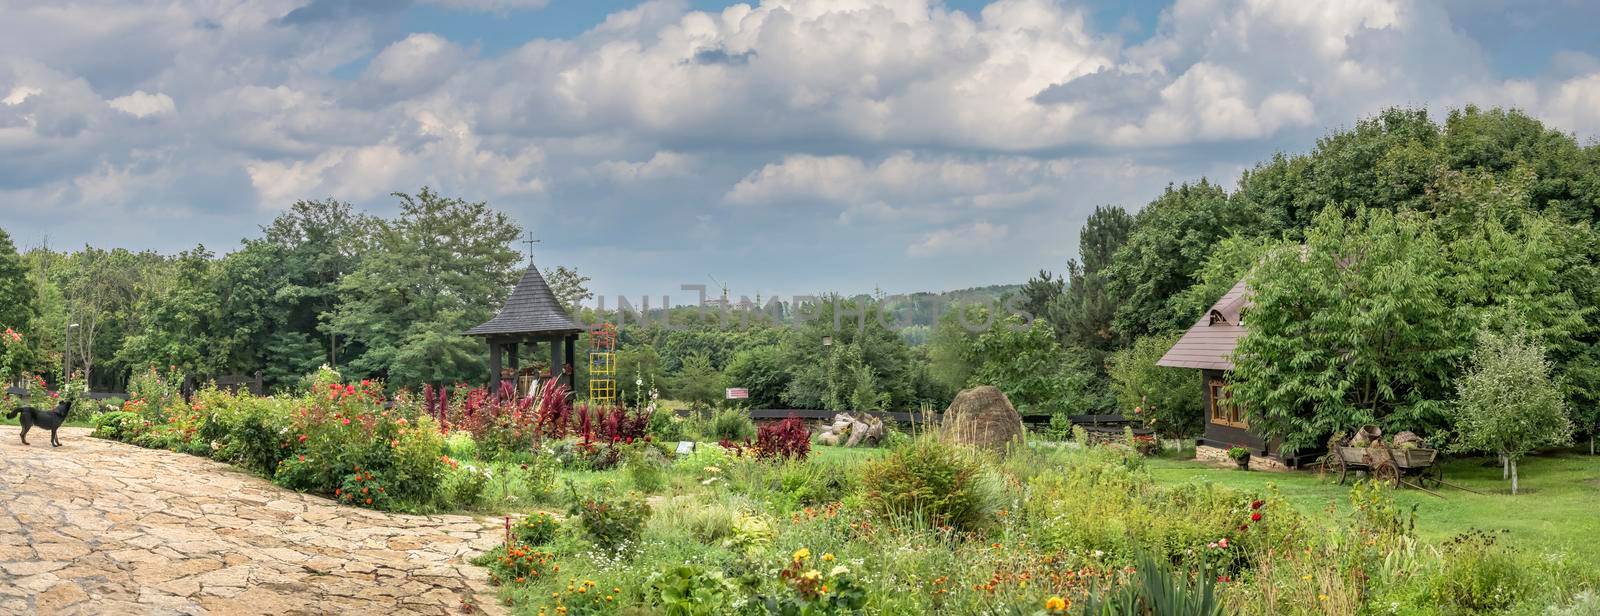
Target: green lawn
x: 1558, y: 509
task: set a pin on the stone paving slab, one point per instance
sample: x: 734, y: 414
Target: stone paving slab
x: 100, y: 527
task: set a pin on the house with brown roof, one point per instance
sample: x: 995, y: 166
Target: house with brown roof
x: 1208, y: 347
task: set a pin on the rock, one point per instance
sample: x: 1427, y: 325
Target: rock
x: 59, y: 597
x: 983, y: 417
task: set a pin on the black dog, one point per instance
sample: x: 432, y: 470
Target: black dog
x: 51, y: 420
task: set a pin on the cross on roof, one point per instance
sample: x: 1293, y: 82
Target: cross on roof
x: 530, y: 242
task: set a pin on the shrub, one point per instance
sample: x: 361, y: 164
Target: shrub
x: 1478, y: 575
x: 811, y: 590
x: 646, y: 467
x: 933, y: 482
x: 463, y: 486
x: 668, y: 427
x: 613, y: 523
x: 689, y: 590
x: 538, y: 528
x: 789, y: 438
x: 517, y: 564
x: 116, y: 425
x: 345, y: 428
x: 364, y: 488
x: 732, y: 424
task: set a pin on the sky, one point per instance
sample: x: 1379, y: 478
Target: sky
x: 776, y: 147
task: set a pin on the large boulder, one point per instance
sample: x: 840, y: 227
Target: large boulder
x: 983, y: 417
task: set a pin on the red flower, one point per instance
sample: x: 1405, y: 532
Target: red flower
x: 1257, y: 504
x: 1255, y: 517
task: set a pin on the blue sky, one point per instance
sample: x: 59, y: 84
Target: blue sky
x: 784, y: 146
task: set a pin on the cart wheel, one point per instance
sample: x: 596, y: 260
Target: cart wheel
x: 1387, y: 472
x: 1332, y: 468
x: 1432, y: 476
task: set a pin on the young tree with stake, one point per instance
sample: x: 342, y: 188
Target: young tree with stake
x: 1507, y: 402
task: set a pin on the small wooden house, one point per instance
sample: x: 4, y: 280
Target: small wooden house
x: 1208, y: 347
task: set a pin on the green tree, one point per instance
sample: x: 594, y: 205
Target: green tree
x: 761, y: 370
x: 698, y: 383
x: 569, y: 287
x: 1034, y: 371
x: 1507, y: 402
x: 436, y: 271
x: 20, y: 306
x: 1166, y: 399
x: 1354, y: 328
x: 177, y: 320
x: 1171, y: 238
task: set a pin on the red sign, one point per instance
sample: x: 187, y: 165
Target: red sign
x: 738, y: 393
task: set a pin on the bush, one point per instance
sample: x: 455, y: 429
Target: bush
x: 646, y: 467
x: 1165, y: 399
x: 933, y: 482
x: 116, y: 425
x: 732, y: 424
x: 538, y: 528
x: 689, y: 590
x: 789, y: 439
x: 343, y: 429
x: 1478, y: 575
x: 464, y: 486
x: 613, y: 523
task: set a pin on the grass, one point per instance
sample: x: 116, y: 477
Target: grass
x: 1554, y: 513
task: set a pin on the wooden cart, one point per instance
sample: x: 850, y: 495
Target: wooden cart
x: 1418, y: 466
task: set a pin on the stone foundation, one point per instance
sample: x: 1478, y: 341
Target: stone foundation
x: 1219, y: 457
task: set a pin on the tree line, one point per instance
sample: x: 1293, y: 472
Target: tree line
x: 1376, y: 259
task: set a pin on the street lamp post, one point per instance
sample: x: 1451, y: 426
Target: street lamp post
x: 66, y: 353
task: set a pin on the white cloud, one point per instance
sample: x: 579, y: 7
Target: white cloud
x: 142, y: 104
x: 661, y: 165
x: 902, y: 120
x: 975, y: 238
x: 20, y: 94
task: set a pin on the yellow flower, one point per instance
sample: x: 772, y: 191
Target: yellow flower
x: 1055, y: 604
x: 827, y: 557
x: 1322, y: 597
x: 802, y: 554
x: 812, y: 574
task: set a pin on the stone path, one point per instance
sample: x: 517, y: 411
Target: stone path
x: 99, y: 527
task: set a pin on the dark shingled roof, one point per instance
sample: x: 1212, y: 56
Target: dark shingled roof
x: 531, y: 309
x: 1209, y: 344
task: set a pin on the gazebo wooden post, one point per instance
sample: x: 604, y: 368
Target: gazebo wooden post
x: 511, y: 357
x: 555, y: 358
x: 495, y: 351
x: 572, y: 376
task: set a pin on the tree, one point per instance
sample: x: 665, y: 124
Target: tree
x: 1507, y: 402
x: 434, y: 272
x: 1171, y: 238
x: 1354, y: 328
x: 568, y: 286
x: 178, y: 321
x: 697, y: 383
x: 760, y: 370
x: 1034, y: 371
x: 20, y: 306
x: 1166, y: 399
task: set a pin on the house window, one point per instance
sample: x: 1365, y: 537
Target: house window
x: 1223, y: 411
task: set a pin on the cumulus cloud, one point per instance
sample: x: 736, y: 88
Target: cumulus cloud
x: 907, y: 118
x: 142, y: 104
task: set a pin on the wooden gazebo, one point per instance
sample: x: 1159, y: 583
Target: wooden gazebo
x: 531, y: 316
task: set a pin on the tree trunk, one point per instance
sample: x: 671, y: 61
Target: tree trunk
x: 1513, y: 477
x: 1505, y: 467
